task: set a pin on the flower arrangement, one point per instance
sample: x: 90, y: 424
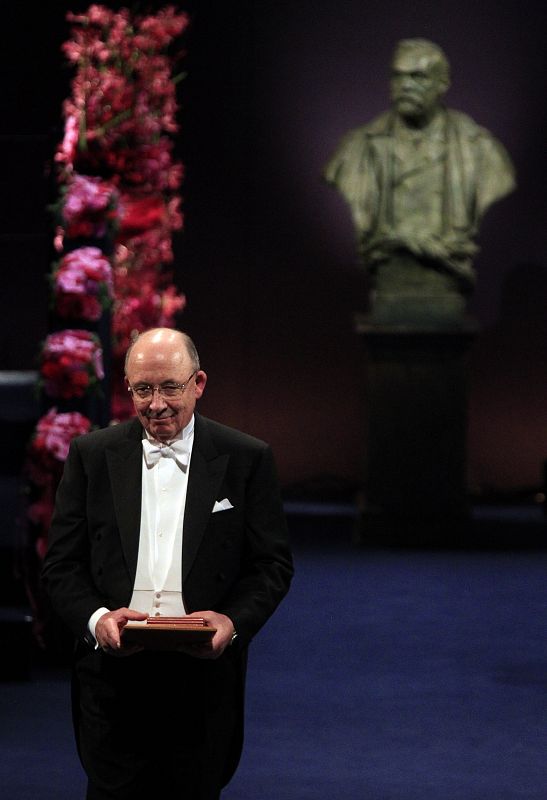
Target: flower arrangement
x: 71, y: 363
x: 52, y: 438
x: 88, y: 207
x: 117, y: 209
x: 115, y: 164
x: 83, y: 284
x: 123, y: 95
x: 47, y: 452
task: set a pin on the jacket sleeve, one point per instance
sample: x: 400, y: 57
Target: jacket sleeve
x: 266, y: 564
x: 66, y: 573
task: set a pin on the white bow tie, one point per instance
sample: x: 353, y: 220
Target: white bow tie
x: 178, y: 450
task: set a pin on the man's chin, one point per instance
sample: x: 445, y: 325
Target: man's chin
x: 409, y: 109
x: 162, y: 428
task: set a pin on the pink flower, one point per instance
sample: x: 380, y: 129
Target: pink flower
x: 67, y: 149
x: 54, y: 432
x: 84, y: 270
x: 46, y: 455
x: 117, y: 124
x: 59, y: 238
x: 152, y: 307
x: 87, y: 196
x: 71, y: 362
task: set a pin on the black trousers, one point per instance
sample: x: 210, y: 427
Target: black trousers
x: 155, y: 725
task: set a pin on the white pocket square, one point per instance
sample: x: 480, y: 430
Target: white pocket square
x: 222, y: 505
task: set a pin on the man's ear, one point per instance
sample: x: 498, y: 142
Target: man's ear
x: 200, y: 381
x: 444, y: 85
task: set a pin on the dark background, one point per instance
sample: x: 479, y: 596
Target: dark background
x: 267, y: 258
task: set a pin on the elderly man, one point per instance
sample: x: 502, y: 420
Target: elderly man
x: 168, y: 514
x: 418, y: 179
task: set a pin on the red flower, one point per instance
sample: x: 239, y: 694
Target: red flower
x: 49, y: 446
x: 88, y: 205
x: 83, y: 284
x: 140, y: 214
x: 71, y: 361
x: 46, y: 455
x: 118, y: 119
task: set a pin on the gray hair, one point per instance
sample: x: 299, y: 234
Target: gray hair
x: 439, y: 61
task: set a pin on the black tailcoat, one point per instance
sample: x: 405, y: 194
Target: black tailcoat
x: 235, y: 561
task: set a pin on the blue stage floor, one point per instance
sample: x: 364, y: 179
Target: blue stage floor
x: 387, y: 674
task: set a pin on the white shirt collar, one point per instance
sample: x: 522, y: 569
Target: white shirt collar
x: 185, y: 433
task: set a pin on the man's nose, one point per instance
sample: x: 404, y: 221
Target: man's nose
x: 157, y: 400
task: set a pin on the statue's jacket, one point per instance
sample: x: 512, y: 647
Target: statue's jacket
x: 478, y: 172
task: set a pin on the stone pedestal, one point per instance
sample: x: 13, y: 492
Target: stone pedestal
x: 416, y: 396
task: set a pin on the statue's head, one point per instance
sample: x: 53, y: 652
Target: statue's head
x: 420, y: 76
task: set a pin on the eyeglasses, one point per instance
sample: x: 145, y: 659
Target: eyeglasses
x: 169, y: 391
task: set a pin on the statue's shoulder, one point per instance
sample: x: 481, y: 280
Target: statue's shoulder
x: 466, y: 125
x: 497, y: 172
x: 378, y: 126
x: 354, y: 148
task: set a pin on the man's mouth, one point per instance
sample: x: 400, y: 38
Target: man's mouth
x: 408, y: 98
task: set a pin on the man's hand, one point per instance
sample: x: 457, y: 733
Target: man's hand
x: 109, y: 627
x: 220, y: 641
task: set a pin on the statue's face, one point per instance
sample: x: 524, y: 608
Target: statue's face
x: 416, y: 85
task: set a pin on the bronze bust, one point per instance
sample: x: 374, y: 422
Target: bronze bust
x: 418, y: 180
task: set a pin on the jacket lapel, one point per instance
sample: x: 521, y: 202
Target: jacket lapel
x: 207, y: 470
x: 125, y: 470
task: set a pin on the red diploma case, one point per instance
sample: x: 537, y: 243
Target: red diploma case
x: 167, y: 633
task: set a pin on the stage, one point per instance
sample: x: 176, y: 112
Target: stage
x: 388, y: 672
